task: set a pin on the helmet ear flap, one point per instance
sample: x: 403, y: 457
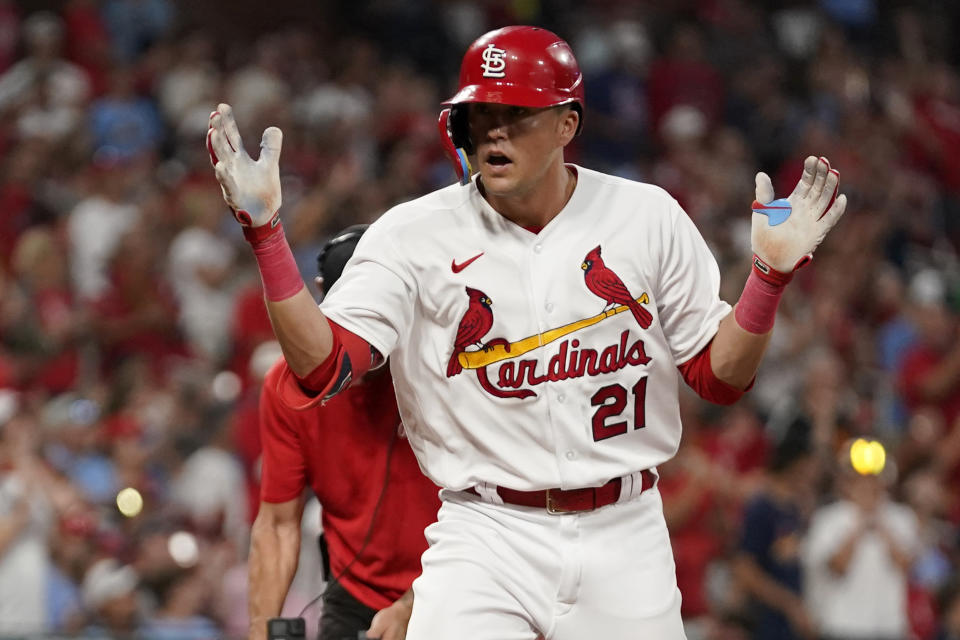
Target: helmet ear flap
x: 459, y: 125
x: 455, y: 153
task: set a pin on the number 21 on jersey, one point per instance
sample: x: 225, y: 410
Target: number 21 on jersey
x: 610, y: 402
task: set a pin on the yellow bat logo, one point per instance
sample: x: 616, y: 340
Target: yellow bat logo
x: 498, y: 353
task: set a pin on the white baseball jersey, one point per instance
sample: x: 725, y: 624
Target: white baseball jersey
x: 522, y: 359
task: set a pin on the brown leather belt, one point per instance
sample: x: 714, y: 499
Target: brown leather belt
x: 570, y: 500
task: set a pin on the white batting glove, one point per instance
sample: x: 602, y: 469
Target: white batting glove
x: 250, y: 187
x: 786, y: 232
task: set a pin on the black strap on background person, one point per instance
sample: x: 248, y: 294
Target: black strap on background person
x: 295, y: 628
x: 324, y: 554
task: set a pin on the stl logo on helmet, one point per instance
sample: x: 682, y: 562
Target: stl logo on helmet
x: 494, y: 62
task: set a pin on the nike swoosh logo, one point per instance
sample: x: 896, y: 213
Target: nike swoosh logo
x: 457, y: 268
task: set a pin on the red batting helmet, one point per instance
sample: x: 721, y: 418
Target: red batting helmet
x: 519, y: 66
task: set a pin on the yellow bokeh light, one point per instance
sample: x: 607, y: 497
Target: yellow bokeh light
x: 868, y: 457
x: 129, y: 502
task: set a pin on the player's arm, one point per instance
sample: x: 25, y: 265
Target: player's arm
x: 275, y: 535
x: 391, y: 623
x: 303, y: 332
x: 826, y: 545
x: 784, y: 235
x: 252, y: 190
x: 839, y: 561
x: 274, y: 552
x: 758, y: 584
x: 759, y: 538
x: 761, y: 586
x: 735, y: 353
x: 901, y: 554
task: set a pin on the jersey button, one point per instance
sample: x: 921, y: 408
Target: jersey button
x: 549, y: 307
x: 537, y: 248
x: 561, y: 398
x: 571, y: 455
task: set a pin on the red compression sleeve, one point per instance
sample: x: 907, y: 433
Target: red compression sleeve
x: 350, y: 358
x: 318, y: 379
x: 699, y: 375
x: 757, y: 308
x: 278, y: 270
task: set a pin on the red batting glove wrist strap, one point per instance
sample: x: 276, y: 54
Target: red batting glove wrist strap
x: 254, y: 235
x: 757, y: 308
x: 768, y: 274
x: 278, y: 270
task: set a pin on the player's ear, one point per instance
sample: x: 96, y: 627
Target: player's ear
x: 569, y: 120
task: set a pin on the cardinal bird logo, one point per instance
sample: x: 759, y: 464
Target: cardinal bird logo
x: 475, y: 324
x: 605, y: 284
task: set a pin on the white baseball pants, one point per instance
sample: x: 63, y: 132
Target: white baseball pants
x: 504, y: 572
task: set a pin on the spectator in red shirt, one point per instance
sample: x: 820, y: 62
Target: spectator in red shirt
x: 51, y: 325
x: 250, y: 328
x: 684, y: 76
x: 87, y: 42
x: 375, y: 500
x: 689, y: 486
x: 930, y: 372
x: 703, y: 489
x: 136, y: 315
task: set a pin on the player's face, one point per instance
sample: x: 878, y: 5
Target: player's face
x: 516, y: 145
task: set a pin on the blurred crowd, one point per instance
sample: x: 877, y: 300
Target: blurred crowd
x: 133, y: 337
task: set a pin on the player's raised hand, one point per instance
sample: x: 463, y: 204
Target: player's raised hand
x: 786, y: 232
x: 250, y: 187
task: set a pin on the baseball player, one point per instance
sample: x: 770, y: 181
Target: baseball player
x: 537, y: 320
x: 376, y: 502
